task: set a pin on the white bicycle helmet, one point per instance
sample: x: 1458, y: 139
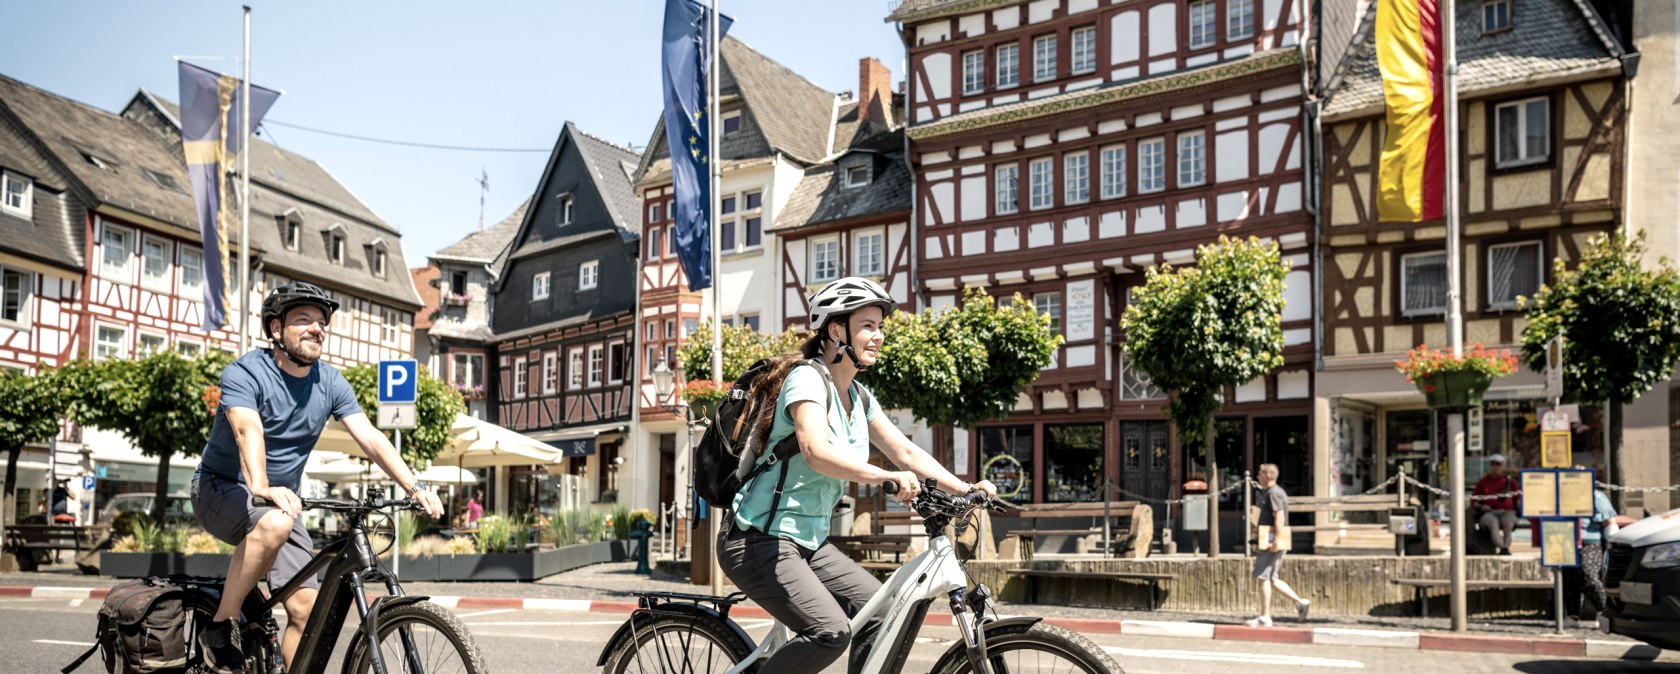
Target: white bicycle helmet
x: 843, y: 297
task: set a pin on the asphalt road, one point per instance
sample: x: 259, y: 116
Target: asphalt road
x: 42, y: 635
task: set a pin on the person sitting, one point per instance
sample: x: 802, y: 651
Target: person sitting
x: 1497, y: 512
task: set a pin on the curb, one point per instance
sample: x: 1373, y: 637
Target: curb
x: 1336, y: 636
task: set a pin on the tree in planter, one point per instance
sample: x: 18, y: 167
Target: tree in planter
x: 163, y: 404
x: 742, y: 346
x: 435, y: 406
x: 1198, y: 330
x: 1620, y: 324
x: 31, y: 412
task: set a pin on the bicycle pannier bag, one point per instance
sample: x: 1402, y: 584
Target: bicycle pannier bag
x: 144, y: 627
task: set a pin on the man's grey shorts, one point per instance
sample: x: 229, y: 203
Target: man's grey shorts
x: 1266, y: 564
x: 224, y: 509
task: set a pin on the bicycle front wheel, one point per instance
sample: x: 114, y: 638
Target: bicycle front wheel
x: 1033, y: 649
x: 420, y: 637
x: 676, y: 644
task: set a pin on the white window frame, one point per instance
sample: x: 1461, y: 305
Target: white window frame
x: 521, y: 372
x: 597, y: 365
x: 1152, y: 165
x: 565, y: 214
x: 118, y: 350
x: 293, y: 233
x: 1539, y: 266
x: 974, y: 71
x: 464, y: 372
x: 1522, y: 158
x: 183, y: 345
x: 379, y: 262
x: 186, y: 252
x: 852, y: 181
x: 161, y: 280
x: 1239, y: 19
x: 1041, y: 183
x: 671, y: 329
x: 616, y: 375
x: 26, y: 293
x: 655, y: 210
x: 1404, y: 260
x: 574, y: 368
x: 656, y: 243
x: 1044, y: 58
x: 26, y: 207
x: 652, y: 361
x: 1114, y: 171
x: 830, y: 244
x: 864, y: 243
x: 1076, y: 177
x: 1084, y: 55
x: 1006, y: 189
x: 1205, y: 34
x: 1008, y: 57
x: 589, y: 275
x: 1192, y: 158
x: 550, y: 372
x: 1050, y: 302
x: 336, y: 243
x: 123, y: 273
x: 391, y: 327
x: 1488, y: 5
x: 539, y: 285
x: 140, y: 343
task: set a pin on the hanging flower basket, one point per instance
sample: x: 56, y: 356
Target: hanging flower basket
x: 1455, y: 381
x: 703, y: 398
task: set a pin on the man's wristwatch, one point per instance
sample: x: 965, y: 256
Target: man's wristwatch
x: 418, y: 486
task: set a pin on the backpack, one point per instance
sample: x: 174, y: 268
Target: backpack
x: 144, y: 626
x: 727, y: 457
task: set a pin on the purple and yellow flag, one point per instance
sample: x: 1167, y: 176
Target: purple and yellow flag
x: 1411, y: 176
x: 210, y: 138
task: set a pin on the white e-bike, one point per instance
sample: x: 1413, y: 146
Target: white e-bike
x: 675, y: 633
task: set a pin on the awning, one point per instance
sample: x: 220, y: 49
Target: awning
x: 578, y: 447
x: 578, y: 433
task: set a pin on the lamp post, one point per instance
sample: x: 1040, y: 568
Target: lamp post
x: 664, y: 385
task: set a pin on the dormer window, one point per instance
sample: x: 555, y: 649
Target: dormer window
x: 16, y: 194
x: 1496, y: 16
x: 291, y: 229
x: 564, y: 216
x: 731, y: 122
x: 377, y: 260
x: 335, y: 243
x: 857, y: 176
x: 164, y: 181
x: 458, y: 283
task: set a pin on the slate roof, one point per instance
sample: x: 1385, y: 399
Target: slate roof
x: 54, y: 233
x: 488, y: 245
x: 1338, y: 22
x: 911, y: 11
x: 821, y: 197
x: 607, y: 162
x: 1548, y: 39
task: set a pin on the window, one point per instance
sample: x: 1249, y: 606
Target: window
x: 519, y: 377
x: 726, y: 205
x: 1084, y: 49
x: 118, y: 247
x: 755, y: 232
x: 671, y: 329
x: 1523, y: 132
x: 751, y: 321
x: 731, y: 123
x: 539, y: 286
x: 1007, y: 189
x: 1202, y: 26
x: 1423, y: 284
x: 1042, y: 179
x: 15, y: 288
x: 336, y: 248
x: 458, y: 283
x: 164, y: 181
x: 825, y: 260
x: 469, y: 370
x: 1008, y: 65
x: 392, y: 321
x: 755, y: 200
x: 1192, y: 159
x: 1113, y: 171
x: 655, y: 240
x: 550, y: 372
x: 1152, y: 165
x: 652, y: 361
x: 1239, y: 19
x: 1496, y: 16
x: 1006, y: 456
x: 857, y: 176
x: 154, y: 262
x: 17, y: 194
x: 616, y: 367
x: 192, y: 269
x: 379, y: 262
x: 574, y: 369
x: 589, y: 274
x: 1076, y: 177
x: 689, y: 325
x: 294, y: 231
x: 110, y: 343
x: 671, y: 242
x: 188, y: 349
x: 596, y: 363
x: 974, y: 72
x: 565, y: 211
x: 671, y: 355
x: 656, y: 212
x: 866, y: 249
x: 726, y: 236
x: 1514, y: 271
x: 652, y: 330
x: 1044, y: 58
x: 152, y: 344
x: 1050, y: 304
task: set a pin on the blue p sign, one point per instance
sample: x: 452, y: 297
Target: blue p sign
x: 397, y: 380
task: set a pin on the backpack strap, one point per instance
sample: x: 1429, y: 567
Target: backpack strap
x: 80, y: 659
x: 781, y: 481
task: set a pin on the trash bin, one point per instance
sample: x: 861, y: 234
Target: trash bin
x: 1411, y: 531
x: 1197, y: 504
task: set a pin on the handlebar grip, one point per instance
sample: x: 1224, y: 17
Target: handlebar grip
x: 890, y: 487
x: 262, y: 502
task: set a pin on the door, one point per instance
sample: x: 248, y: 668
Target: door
x: 667, y: 469
x: 1144, y: 460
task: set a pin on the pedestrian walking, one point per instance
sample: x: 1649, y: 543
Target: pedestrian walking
x: 1274, y: 512
x: 1586, y: 582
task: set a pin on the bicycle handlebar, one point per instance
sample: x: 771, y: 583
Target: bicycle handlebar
x: 932, y: 497
x: 342, y: 505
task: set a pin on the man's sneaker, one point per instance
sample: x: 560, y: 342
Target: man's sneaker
x: 222, y: 653
x: 1261, y: 621
x: 1301, y: 609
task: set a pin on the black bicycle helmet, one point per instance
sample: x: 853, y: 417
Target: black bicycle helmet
x: 281, y: 300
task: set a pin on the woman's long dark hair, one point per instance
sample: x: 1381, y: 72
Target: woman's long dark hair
x: 768, y: 388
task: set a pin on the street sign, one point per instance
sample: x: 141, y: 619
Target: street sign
x: 398, y: 380
x: 1556, y: 493
x: 1554, y: 421
x: 1554, y: 368
x: 1555, y: 450
x: 88, y: 482
x: 396, y: 416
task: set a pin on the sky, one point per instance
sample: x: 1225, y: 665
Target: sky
x: 485, y: 74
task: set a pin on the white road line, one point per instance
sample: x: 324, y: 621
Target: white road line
x: 523, y: 623
x: 76, y: 602
x: 489, y: 612
x: 83, y: 644
x: 1247, y: 658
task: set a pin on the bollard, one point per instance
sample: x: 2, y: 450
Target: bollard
x: 640, y: 531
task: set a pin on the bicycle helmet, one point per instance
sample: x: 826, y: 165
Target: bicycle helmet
x: 283, y: 298
x: 843, y: 297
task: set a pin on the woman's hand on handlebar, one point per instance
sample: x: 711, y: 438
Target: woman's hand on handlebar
x: 985, y: 487
x: 905, y: 485
x: 282, y: 498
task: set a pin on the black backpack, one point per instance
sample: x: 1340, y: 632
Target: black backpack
x: 727, y: 457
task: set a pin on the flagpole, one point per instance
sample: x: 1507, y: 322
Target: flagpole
x: 1455, y: 316
x: 245, y: 193
x: 716, y: 178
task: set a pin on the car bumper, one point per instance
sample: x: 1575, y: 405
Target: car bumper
x: 1656, y: 621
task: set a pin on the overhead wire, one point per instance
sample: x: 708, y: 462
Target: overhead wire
x: 403, y: 143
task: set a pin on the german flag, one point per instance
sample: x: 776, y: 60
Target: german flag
x: 1412, y: 174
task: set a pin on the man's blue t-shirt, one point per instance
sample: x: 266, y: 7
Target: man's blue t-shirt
x: 293, y: 409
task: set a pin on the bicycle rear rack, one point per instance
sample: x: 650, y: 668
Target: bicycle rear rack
x: 657, y: 602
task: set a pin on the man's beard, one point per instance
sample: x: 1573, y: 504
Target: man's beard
x: 302, y: 350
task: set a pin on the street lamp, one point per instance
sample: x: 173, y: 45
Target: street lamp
x: 664, y: 383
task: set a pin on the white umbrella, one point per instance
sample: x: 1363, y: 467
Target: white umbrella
x: 486, y: 444
x: 353, y: 471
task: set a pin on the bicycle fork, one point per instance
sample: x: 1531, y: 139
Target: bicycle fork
x: 967, y: 620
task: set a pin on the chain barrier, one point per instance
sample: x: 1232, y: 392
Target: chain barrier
x: 1384, y: 486
x: 1637, y: 490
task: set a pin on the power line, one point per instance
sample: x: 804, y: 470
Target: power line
x: 386, y: 141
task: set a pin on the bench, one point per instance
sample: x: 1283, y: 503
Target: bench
x: 871, y: 547
x: 1421, y: 586
x: 1154, y: 580
x: 24, y: 539
x: 1130, y: 536
x: 1382, y: 503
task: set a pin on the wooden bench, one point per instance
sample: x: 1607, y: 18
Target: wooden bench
x: 1421, y: 586
x: 1154, y: 580
x: 1381, y: 503
x: 1130, y: 535
x: 872, y: 547
x: 24, y: 539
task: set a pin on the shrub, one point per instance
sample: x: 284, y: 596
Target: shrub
x: 564, y: 527
x: 426, y: 546
x: 494, y: 533
x: 621, y: 522
x: 200, y: 542
x: 126, y: 544
x: 596, y: 526
x: 461, y: 545
x: 408, y: 524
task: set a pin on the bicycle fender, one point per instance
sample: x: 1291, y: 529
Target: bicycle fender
x: 623, y: 631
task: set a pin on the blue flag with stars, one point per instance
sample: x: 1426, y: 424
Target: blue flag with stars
x: 686, y: 132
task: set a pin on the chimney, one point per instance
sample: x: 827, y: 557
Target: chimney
x: 874, y: 92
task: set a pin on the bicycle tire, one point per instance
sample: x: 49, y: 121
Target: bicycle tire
x: 458, y: 643
x: 649, y: 647
x: 1005, y: 646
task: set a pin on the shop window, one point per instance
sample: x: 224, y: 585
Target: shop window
x: 1006, y: 458
x: 1073, y: 463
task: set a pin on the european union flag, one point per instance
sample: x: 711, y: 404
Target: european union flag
x: 210, y: 138
x: 687, y: 33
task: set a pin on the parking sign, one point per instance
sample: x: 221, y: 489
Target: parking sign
x: 397, y: 380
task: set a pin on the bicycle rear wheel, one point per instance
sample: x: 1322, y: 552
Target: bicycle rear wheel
x: 441, y: 644
x: 672, y: 643
x: 1039, y: 648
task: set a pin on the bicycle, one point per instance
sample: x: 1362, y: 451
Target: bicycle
x: 681, y: 633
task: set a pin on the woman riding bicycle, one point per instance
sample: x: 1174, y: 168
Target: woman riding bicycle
x: 775, y: 547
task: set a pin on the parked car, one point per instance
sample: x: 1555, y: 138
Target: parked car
x: 180, y: 509
x: 1642, y: 578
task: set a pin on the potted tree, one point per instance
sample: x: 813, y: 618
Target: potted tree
x: 1447, y: 380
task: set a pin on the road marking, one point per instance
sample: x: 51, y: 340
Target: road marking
x: 76, y: 602
x: 479, y: 613
x: 523, y: 623
x: 83, y: 644
x: 1247, y: 658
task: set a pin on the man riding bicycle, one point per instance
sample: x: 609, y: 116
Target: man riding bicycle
x: 775, y: 547
x: 275, y: 403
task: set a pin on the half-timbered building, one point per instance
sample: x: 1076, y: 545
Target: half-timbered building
x: 1061, y: 147
x: 562, y: 313
x: 1542, y: 116
x: 456, y: 340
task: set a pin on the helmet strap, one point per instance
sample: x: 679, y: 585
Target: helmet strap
x: 844, y: 349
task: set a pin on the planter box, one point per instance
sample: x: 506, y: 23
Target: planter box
x: 1454, y: 389
x: 510, y: 566
x: 143, y: 564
